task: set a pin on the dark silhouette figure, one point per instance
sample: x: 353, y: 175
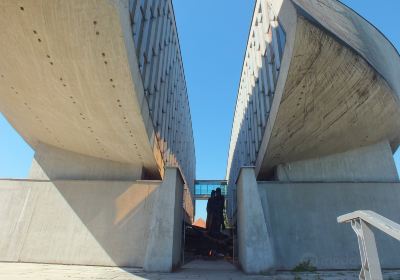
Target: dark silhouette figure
x: 220, y: 205
x: 216, y: 210
x: 210, y: 210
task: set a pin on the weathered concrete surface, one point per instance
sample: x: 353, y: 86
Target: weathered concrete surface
x: 197, y: 270
x: 90, y: 77
x: 358, y: 34
x: 333, y: 101
x: 163, y: 252
x: 71, y: 80
x: 76, y: 222
x: 373, y: 163
x: 254, y: 240
x: 302, y: 222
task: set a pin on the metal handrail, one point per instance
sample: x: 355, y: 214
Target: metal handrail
x: 361, y: 222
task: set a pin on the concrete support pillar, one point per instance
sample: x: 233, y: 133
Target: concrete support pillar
x: 163, y: 251
x: 255, y: 246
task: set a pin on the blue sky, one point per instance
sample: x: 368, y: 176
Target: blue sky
x: 213, y: 36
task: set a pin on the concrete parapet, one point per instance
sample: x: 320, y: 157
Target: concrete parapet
x: 255, y: 248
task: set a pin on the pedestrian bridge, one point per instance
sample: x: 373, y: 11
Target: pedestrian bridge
x: 203, y: 188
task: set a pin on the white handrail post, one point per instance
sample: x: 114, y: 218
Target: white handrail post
x: 371, y: 268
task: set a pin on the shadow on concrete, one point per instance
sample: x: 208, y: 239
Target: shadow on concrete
x: 117, y: 215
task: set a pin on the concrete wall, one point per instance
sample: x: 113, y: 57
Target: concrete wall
x: 302, y: 219
x: 256, y: 253
x: 75, y: 222
x: 91, y: 222
x: 370, y: 163
x: 165, y: 237
x: 52, y: 163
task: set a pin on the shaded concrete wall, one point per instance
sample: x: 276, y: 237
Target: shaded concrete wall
x: 370, y: 163
x: 302, y: 219
x: 90, y: 222
x: 52, y: 163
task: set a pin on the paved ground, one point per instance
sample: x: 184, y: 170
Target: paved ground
x: 198, y: 270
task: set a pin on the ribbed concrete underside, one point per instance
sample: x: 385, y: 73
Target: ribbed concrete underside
x: 69, y: 79
x: 333, y: 101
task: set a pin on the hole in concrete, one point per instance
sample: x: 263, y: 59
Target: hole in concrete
x: 105, y: 62
x: 48, y: 56
x: 118, y: 100
x: 113, y: 86
x: 94, y: 22
x: 21, y: 8
x: 39, y: 40
x: 61, y: 78
x: 103, y: 54
x: 64, y: 85
x: 34, y: 32
x: 111, y: 80
x: 51, y: 63
x: 97, y: 33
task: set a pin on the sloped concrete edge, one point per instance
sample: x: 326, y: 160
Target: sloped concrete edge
x: 163, y: 251
x: 255, y: 246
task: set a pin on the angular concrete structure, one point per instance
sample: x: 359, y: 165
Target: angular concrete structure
x: 97, y: 89
x: 318, y: 117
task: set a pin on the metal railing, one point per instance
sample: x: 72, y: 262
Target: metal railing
x: 361, y: 222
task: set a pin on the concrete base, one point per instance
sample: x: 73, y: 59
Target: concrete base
x: 255, y: 248
x: 88, y: 222
x: 301, y: 218
x: 163, y: 251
